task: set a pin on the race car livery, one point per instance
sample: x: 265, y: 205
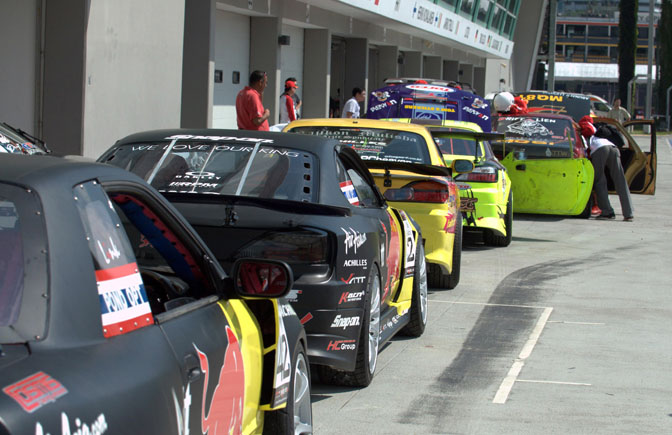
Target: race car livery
x: 114, y: 318
x: 410, y: 171
x: 311, y: 202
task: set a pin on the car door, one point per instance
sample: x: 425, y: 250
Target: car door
x: 217, y: 342
x: 640, y: 170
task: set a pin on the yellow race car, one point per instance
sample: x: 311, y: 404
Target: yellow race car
x: 410, y: 171
x: 485, y: 193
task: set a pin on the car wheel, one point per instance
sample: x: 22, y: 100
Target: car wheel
x: 492, y: 239
x: 297, y: 416
x: 437, y: 278
x: 418, y: 321
x: 369, y: 339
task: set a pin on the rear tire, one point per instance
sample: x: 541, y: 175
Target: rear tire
x: 492, y: 239
x: 367, y: 348
x: 297, y: 416
x: 416, y: 325
x: 436, y: 277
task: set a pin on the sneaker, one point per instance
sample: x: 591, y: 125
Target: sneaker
x: 595, y: 211
x: 607, y: 216
x: 628, y: 219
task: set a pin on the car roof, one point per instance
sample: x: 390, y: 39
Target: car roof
x: 360, y: 122
x: 290, y: 140
x: 45, y: 171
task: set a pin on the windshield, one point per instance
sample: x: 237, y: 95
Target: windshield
x: 12, y: 142
x: 536, y: 137
x: 376, y: 144
x: 260, y: 170
x: 457, y: 146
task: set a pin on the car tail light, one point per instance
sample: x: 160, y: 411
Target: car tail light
x: 420, y: 191
x: 480, y: 173
x: 305, y: 246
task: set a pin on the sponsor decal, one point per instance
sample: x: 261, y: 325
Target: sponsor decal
x: 475, y: 112
x: 218, y: 138
x: 293, y: 295
x: 347, y: 297
x: 409, y: 264
x: 109, y: 253
x: 225, y: 413
x: 285, y: 310
x: 352, y: 279
x: 98, y: 427
x: 430, y: 108
x: 528, y: 127
x: 305, y: 319
x: 431, y: 88
x: 381, y: 95
x: 353, y: 239
x: 123, y: 301
x: 337, y: 345
x: 3, y: 138
x: 377, y: 107
x: 468, y: 204
x: 355, y: 263
x: 283, y: 367
x: 349, y: 191
x: 35, y: 391
x: 344, y: 322
x: 463, y: 186
x: 479, y: 104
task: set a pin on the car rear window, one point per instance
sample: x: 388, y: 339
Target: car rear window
x: 11, y: 262
x: 375, y: 143
x: 457, y: 146
x: 536, y: 137
x: 261, y: 170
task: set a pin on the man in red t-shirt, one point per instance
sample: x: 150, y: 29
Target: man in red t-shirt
x: 250, y: 112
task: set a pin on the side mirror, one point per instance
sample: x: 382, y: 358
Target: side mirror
x: 462, y: 166
x: 261, y: 278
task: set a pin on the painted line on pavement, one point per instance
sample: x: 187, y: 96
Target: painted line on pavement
x: 507, y: 384
x: 489, y: 305
x: 580, y: 384
x: 575, y: 323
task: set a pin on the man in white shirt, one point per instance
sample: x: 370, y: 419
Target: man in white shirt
x: 351, y: 107
x: 618, y: 112
x: 604, y: 154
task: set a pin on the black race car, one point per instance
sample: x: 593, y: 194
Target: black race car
x: 360, y: 274
x: 114, y: 317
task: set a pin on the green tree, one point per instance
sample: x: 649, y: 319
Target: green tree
x: 664, y: 55
x: 627, y: 46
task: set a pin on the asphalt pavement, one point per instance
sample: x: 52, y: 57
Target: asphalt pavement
x: 566, y: 331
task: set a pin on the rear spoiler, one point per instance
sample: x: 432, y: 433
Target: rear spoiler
x: 450, y: 132
x: 297, y: 207
x: 417, y: 168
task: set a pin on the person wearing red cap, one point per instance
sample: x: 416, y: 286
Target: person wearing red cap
x: 287, y: 106
x: 250, y: 112
x: 605, y: 155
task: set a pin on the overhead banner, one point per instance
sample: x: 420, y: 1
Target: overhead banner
x: 427, y: 16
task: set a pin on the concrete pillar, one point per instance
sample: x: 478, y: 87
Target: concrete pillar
x: 316, y: 73
x: 64, y: 65
x: 433, y: 67
x: 265, y: 56
x: 198, y: 63
x: 526, y: 38
x: 466, y: 73
x: 412, y: 64
x: 451, y: 70
x: 388, y: 64
x: 356, y: 67
x: 479, y: 80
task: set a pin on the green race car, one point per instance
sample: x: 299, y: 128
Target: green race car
x: 485, y: 193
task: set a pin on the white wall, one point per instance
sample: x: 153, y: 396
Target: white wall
x: 291, y: 57
x: 18, y: 51
x: 133, y: 74
x: 232, y: 53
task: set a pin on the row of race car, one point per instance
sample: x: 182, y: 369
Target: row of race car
x: 225, y: 263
